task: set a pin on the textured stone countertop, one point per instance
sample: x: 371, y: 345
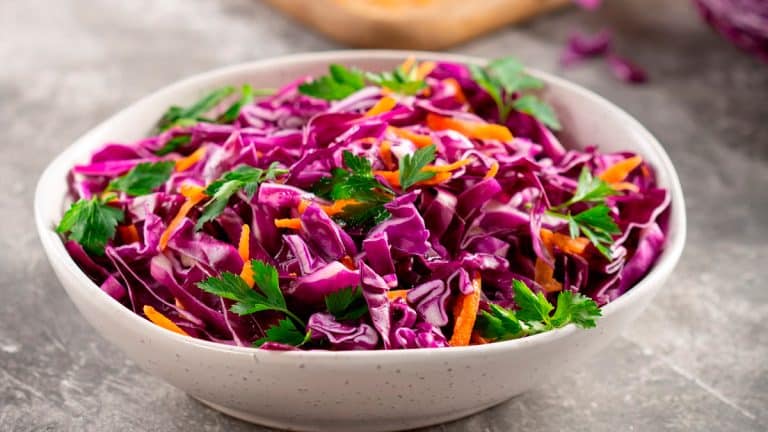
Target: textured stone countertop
x: 696, y: 360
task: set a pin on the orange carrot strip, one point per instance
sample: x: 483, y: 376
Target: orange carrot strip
x: 244, y: 245
x: 128, y: 233
x: 397, y: 294
x: 448, y: 167
x: 439, y: 178
x: 407, y: 64
x: 465, y: 312
x: 567, y: 244
x: 348, y: 262
x: 392, y: 177
x: 476, y: 339
x: 418, y: 140
x: 246, y: 274
x: 620, y: 170
x: 385, y: 153
x: 303, y: 204
x: 194, y: 195
x: 178, y: 304
x: 290, y: 223
x: 338, y: 206
x: 162, y: 321
x: 383, y: 105
x: 476, y: 130
x: 424, y: 69
x: 186, y: 163
x: 625, y: 186
x: 492, y: 171
x: 458, y: 93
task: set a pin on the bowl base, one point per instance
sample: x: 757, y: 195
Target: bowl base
x: 385, y: 426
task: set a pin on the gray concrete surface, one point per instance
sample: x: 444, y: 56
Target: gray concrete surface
x: 696, y: 360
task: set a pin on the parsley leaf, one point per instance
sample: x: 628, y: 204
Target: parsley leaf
x: 503, y: 79
x: 338, y: 84
x: 346, y: 303
x: 532, y: 307
x: 143, y: 178
x: 500, y: 323
x: 534, y: 314
x: 247, y: 300
x: 595, y: 223
x: 535, y: 107
x: 173, y: 144
x: 285, y: 332
x: 243, y: 177
x: 357, y: 183
x: 399, y: 81
x: 91, y: 223
x: 575, y: 308
x: 179, y: 116
x: 411, y: 165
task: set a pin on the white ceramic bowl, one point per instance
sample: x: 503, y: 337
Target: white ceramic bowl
x: 345, y: 391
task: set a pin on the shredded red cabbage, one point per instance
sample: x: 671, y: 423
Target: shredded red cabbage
x: 488, y: 211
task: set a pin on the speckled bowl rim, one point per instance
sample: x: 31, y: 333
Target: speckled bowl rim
x: 663, y: 267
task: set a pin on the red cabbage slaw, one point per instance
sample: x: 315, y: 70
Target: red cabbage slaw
x: 430, y: 206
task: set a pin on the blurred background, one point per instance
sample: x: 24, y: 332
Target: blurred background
x: 695, y: 361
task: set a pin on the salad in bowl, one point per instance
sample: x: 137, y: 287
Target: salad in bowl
x: 432, y: 205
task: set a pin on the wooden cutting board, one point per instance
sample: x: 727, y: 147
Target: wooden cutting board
x: 410, y: 24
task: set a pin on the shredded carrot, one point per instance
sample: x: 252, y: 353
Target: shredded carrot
x: 194, y: 195
x: 567, y: 244
x: 332, y: 209
x: 476, y: 130
x: 246, y: 274
x: 244, y: 245
x: 476, y: 339
x: 442, y: 173
x: 417, y: 139
x: 186, y: 163
x: 162, y: 321
x: 392, y: 177
x: 458, y: 93
x: 465, y: 313
x: 620, y: 170
x: 625, y: 186
x: 386, y: 91
x: 397, y: 294
x: 303, y: 204
x: 439, y: 178
x: 178, y: 304
x: 348, y: 262
x: 448, y: 167
x: 383, y: 105
x: 290, y: 223
x: 385, y: 152
x: 128, y: 233
x: 424, y: 69
x: 492, y: 171
x: 407, y: 64
x: 543, y: 273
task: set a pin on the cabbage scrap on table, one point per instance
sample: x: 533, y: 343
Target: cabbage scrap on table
x: 427, y: 206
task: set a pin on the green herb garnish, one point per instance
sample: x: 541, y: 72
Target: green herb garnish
x: 248, y: 301
x: 411, y: 166
x: 398, y: 80
x: 180, y: 116
x: 356, y: 182
x: 91, y: 223
x: 595, y: 223
x: 243, y: 177
x: 285, y: 332
x: 338, y: 84
x: 346, y: 303
x: 503, y: 79
x: 534, y: 314
x: 173, y: 144
x: 143, y: 178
